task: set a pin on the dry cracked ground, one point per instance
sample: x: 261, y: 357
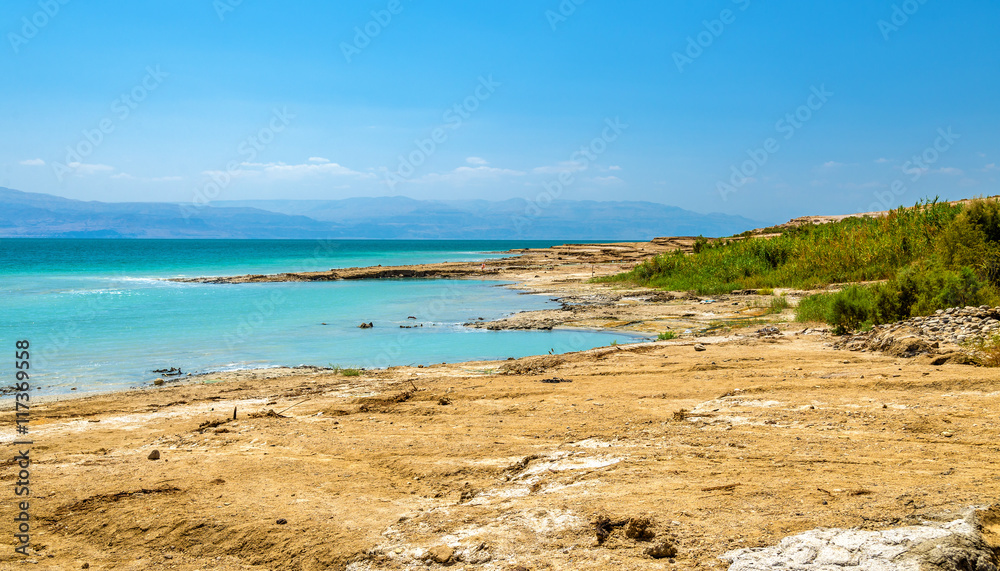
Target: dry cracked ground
x: 496, y: 466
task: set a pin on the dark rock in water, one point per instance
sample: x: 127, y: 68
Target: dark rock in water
x: 368, y: 325
x: 171, y: 372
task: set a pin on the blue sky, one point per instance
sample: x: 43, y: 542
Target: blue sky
x: 767, y: 109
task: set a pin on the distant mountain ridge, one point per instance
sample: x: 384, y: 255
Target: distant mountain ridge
x: 25, y: 214
x: 28, y: 214
x: 514, y: 218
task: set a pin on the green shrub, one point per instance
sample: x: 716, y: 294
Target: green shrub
x: 850, y: 308
x: 779, y: 304
x: 338, y: 370
x: 985, y: 216
x: 666, y: 336
x: 928, y: 257
x: 852, y: 250
x: 917, y: 290
x: 700, y: 244
x: 988, y: 265
x: 814, y: 308
x: 923, y: 288
x: 986, y: 350
x: 891, y: 303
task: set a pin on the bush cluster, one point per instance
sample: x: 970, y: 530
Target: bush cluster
x: 931, y: 256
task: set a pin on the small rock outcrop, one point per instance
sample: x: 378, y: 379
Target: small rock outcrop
x: 964, y: 544
x: 950, y: 327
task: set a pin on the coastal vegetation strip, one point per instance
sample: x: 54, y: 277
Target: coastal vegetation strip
x: 905, y: 263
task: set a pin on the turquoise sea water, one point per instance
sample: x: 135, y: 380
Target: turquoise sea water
x: 100, y: 317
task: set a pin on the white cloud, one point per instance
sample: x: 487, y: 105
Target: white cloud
x: 614, y: 168
x: 126, y: 176
x: 990, y: 167
x: 33, y: 163
x: 881, y: 161
x: 608, y: 180
x: 85, y: 169
x: 318, y: 160
x: 462, y: 175
x: 558, y: 168
x: 478, y: 161
x: 951, y: 171
x: 286, y: 171
x: 832, y: 164
x: 863, y: 185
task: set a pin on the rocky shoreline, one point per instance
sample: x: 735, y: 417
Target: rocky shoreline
x: 606, y: 258
x: 742, y: 440
x: 945, y: 336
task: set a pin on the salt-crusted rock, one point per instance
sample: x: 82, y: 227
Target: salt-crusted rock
x: 951, y: 546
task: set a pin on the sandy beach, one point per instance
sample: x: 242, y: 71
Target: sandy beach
x: 745, y: 429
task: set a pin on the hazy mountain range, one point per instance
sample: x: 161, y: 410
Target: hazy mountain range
x: 24, y: 214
